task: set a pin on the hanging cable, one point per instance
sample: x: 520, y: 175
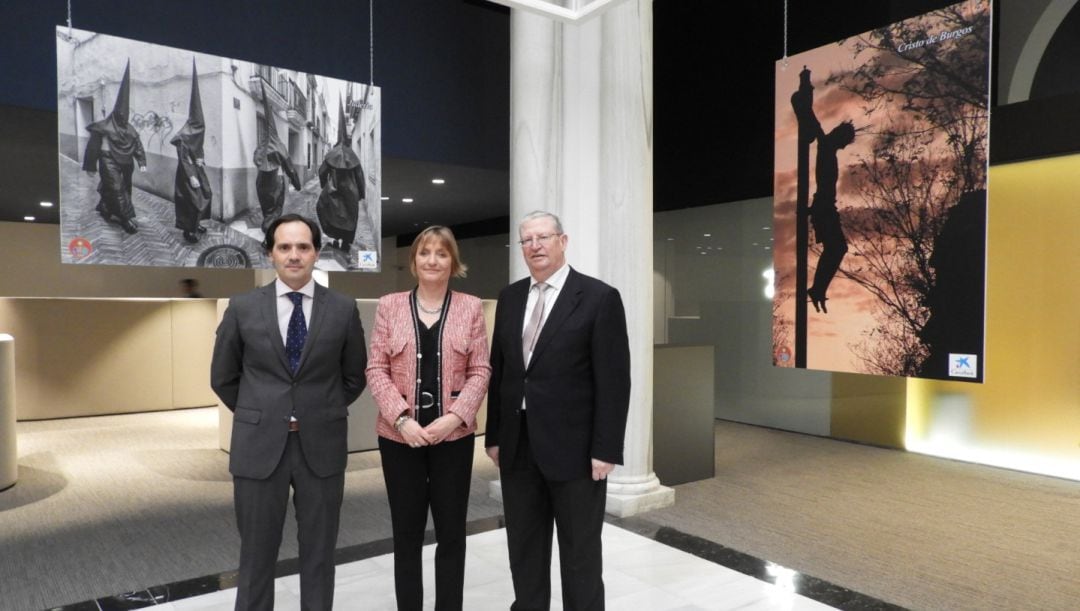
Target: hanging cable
x: 371, y: 42
x: 784, y: 61
x: 69, y: 17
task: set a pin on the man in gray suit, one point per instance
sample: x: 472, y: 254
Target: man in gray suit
x: 289, y: 383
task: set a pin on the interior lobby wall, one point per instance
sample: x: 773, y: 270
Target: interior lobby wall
x: 1025, y: 416
x: 1027, y: 413
x: 710, y: 262
x: 82, y: 357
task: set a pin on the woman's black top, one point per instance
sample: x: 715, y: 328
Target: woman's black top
x: 429, y: 373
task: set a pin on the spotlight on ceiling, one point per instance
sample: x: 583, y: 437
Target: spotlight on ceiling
x: 438, y: 181
x: 28, y: 218
x: 406, y: 200
x: 46, y: 204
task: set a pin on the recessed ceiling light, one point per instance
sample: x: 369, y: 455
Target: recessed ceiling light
x: 438, y: 181
x: 406, y: 200
x: 671, y: 239
x: 28, y: 218
x: 708, y: 235
x: 765, y: 228
x: 46, y: 204
x: 385, y: 197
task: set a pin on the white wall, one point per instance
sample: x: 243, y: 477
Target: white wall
x: 718, y: 298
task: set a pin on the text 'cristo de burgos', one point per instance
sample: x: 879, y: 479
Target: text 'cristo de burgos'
x: 934, y: 39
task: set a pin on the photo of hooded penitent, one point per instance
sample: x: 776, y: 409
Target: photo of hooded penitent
x: 176, y: 158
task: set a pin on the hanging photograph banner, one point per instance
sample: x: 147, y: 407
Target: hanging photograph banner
x: 880, y: 200
x: 175, y: 158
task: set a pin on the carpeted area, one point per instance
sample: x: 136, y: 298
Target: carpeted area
x: 115, y: 503
x: 917, y: 531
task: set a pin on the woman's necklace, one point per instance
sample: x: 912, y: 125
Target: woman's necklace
x: 420, y: 305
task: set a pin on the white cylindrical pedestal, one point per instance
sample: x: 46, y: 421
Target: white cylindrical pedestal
x: 9, y: 454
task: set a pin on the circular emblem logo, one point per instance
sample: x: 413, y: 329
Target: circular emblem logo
x: 80, y: 248
x: 783, y: 355
x: 224, y: 256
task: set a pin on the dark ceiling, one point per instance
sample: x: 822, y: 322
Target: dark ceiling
x: 714, y: 88
x: 444, y: 69
x: 443, y: 66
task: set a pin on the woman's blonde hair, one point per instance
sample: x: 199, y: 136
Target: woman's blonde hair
x: 445, y: 238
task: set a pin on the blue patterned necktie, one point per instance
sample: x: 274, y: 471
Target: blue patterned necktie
x: 297, y: 332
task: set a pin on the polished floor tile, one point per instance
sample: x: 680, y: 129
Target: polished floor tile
x: 640, y: 574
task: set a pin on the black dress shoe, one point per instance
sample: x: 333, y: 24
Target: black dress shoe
x: 129, y: 226
x: 190, y: 238
x: 200, y: 229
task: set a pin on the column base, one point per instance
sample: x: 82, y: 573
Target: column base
x: 631, y: 495
x: 623, y: 500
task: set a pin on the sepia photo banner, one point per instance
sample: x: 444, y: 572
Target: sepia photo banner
x: 176, y: 158
x: 880, y: 200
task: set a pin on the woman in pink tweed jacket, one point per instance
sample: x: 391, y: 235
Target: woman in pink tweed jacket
x: 428, y: 371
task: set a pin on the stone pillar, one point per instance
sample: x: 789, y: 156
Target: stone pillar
x: 581, y: 146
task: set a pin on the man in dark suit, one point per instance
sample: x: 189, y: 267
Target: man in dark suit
x: 557, y: 406
x: 289, y: 384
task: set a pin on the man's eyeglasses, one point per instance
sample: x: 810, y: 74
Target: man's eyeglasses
x: 542, y: 240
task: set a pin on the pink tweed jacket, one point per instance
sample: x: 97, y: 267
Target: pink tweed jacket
x: 391, y: 369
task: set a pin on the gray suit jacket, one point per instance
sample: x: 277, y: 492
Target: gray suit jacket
x: 251, y: 375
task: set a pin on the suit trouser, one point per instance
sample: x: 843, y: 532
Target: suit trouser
x: 438, y: 476
x: 534, y: 504
x: 260, y: 516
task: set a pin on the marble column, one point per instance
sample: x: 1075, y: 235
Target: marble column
x: 581, y: 147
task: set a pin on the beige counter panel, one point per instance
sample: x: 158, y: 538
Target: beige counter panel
x: 194, y: 322
x: 84, y: 357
